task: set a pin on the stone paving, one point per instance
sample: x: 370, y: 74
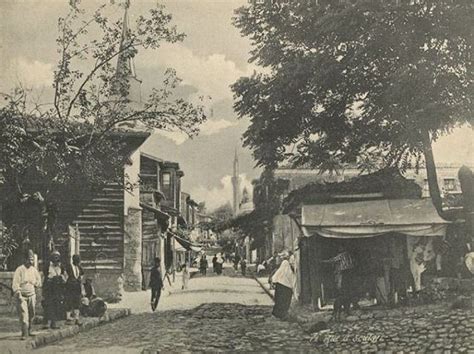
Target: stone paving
x: 221, y: 324
x: 439, y: 330
x: 209, y: 327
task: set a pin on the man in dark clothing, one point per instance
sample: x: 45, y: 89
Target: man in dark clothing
x: 156, y: 284
x: 203, y: 265
x: 73, y: 289
x: 214, y: 262
x: 236, y: 261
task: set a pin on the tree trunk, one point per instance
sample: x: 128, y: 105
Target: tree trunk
x: 431, y: 173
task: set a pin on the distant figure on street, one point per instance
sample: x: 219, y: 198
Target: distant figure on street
x: 261, y: 268
x: 284, y: 280
x: 214, y: 262
x: 25, y: 281
x: 185, y: 276
x: 53, y: 291
x: 243, y: 266
x: 219, y: 264
x: 236, y: 261
x: 156, y: 284
x: 73, y: 289
x: 203, y: 265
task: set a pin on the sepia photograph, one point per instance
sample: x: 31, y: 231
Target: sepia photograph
x: 213, y: 176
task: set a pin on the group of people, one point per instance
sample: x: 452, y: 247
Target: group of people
x: 64, y: 294
x: 217, y: 264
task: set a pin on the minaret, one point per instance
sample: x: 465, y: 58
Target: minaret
x: 125, y: 75
x: 236, y: 186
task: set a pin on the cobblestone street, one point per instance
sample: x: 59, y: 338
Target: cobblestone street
x: 232, y: 313
x: 217, y: 325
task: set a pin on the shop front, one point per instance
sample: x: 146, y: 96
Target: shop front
x: 390, y: 244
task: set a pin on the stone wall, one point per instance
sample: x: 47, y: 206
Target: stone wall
x: 108, y: 283
x: 132, y: 267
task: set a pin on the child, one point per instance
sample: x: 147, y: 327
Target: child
x: 185, y: 276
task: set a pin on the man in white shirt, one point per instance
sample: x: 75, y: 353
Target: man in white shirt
x: 25, y: 281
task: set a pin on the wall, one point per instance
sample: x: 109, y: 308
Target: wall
x: 299, y: 177
x: 108, y: 283
x: 131, y: 172
x: 285, y: 234
x: 7, y: 302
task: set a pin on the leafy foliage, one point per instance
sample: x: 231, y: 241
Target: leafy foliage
x: 75, y: 135
x: 85, y: 135
x: 343, y: 78
x: 8, y: 245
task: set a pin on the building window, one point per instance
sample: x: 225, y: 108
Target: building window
x: 167, y: 188
x: 449, y: 184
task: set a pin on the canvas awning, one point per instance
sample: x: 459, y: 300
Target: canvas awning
x: 182, y: 245
x: 414, y: 217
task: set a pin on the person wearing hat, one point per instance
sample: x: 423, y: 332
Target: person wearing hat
x: 284, y: 280
x: 74, y: 289
x: 54, y: 291
x: 25, y: 281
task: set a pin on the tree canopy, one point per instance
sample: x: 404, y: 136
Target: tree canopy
x: 85, y: 131
x: 68, y: 135
x: 344, y: 79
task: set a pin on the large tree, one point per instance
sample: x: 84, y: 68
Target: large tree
x: 71, y: 137
x: 349, y: 78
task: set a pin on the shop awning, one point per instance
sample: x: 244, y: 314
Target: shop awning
x: 414, y: 217
x: 182, y: 245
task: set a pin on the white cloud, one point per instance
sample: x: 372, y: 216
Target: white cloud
x: 212, y: 75
x: 177, y: 136
x: 209, y: 127
x: 32, y: 73
x: 222, y: 194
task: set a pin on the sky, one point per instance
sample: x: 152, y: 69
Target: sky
x: 212, y: 57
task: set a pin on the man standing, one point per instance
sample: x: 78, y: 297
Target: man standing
x: 343, y: 265
x: 203, y: 265
x: 54, y: 291
x: 74, y: 289
x: 156, y: 284
x: 25, y: 281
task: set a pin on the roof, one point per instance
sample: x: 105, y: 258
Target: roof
x: 150, y: 156
x: 373, y: 212
x: 387, y: 183
x: 415, y: 217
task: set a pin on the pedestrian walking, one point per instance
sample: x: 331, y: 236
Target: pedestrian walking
x: 25, y: 281
x: 284, y: 280
x: 156, y: 284
x: 236, y: 261
x: 185, y: 276
x: 73, y: 290
x: 203, y: 265
x: 53, y: 292
x: 214, y: 264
